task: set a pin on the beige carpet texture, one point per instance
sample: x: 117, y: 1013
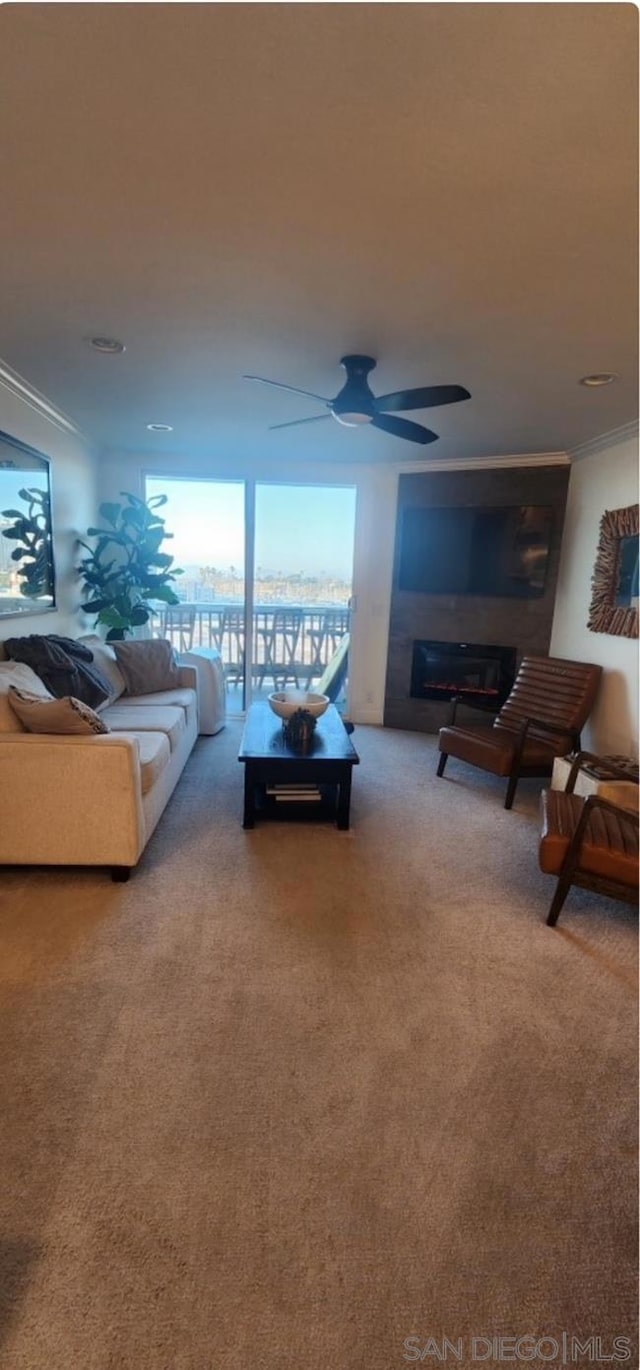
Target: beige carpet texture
x: 298, y: 1099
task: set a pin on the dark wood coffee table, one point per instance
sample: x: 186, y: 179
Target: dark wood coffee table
x: 269, y: 763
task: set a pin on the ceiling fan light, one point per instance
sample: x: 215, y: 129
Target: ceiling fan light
x: 352, y: 420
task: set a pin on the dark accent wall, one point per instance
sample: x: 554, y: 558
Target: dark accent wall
x: 521, y: 623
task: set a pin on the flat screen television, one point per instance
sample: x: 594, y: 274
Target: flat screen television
x: 501, y: 551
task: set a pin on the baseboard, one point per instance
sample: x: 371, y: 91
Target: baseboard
x: 367, y: 717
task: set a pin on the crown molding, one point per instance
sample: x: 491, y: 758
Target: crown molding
x: 18, y: 386
x: 627, y: 432
x: 485, y: 463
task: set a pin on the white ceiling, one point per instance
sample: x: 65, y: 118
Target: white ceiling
x: 451, y: 188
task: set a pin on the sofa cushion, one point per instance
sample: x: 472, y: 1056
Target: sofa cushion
x: 67, y: 715
x: 106, y: 663
x: 23, y: 678
x: 182, y: 698
x: 155, y: 752
x: 147, y: 665
x: 148, y: 718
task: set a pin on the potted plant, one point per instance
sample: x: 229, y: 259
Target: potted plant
x: 125, y: 572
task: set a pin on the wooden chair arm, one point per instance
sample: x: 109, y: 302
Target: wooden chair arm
x: 613, y: 772
x: 560, y: 730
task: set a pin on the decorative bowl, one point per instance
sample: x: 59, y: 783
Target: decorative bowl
x: 285, y: 703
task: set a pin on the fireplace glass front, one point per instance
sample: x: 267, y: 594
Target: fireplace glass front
x: 474, y: 671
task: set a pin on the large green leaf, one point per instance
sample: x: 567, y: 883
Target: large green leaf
x: 160, y: 559
x: 154, y: 537
x: 93, y: 606
x: 110, y: 512
x: 165, y: 595
x: 135, y: 516
x: 112, y: 619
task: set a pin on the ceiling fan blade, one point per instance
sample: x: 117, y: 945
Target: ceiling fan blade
x: 404, y: 428
x: 293, y: 423
x: 279, y: 385
x: 426, y: 397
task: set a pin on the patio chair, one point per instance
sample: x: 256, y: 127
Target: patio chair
x: 232, y: 629
x: 542, y: 717
x: 591, y: 841
x: 325, y: 639
x: 280, y: 637
x: 178, y: 625
x: 335, y: 674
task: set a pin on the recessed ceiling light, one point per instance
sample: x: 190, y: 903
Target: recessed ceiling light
x: 160, y: 427
x: 599, y: 378
x: 110, y: 345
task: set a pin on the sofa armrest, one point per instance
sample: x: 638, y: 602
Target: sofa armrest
x: 70, y: 800
x: 188, y: 677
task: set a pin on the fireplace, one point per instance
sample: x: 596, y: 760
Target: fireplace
x: 474, y: 671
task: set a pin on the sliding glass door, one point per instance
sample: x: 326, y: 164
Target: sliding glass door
x: 302, y: 581
x: 267, y: 573
x: 207, y: 521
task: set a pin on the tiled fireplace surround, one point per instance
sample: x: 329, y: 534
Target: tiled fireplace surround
x: 524, y: 624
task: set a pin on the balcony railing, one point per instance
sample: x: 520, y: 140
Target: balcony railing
x: 291, y: 644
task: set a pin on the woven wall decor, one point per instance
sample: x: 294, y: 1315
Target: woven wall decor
x: 605, y: 615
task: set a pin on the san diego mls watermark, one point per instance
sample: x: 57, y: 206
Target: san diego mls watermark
x: 564, y: 1349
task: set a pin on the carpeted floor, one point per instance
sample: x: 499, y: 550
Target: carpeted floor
x: 293, y: 1096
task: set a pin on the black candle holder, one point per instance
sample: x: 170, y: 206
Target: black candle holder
x: 299, y: 730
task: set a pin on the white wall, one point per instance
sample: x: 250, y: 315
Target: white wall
x: 373, y: 554
x: 74, y: 485
x: 603, y: 476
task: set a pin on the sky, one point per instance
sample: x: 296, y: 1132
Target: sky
x: 299, y: 528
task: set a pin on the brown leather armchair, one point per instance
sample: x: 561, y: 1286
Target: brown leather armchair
x: 549, y: 703
x: 591, y: 842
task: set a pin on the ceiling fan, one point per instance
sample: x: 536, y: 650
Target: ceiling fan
x: 356, y: 403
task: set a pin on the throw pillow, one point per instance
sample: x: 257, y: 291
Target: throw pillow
x: 66, y: 715
x: 105, y: 660
x: 18, y: 674
x: 147, y: 665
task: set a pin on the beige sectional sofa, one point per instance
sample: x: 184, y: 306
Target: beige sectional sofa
x: 92, y: 800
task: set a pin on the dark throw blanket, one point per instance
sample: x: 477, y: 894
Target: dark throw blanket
x: 63, y: 665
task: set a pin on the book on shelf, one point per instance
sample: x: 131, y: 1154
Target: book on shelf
x: 294, y: 792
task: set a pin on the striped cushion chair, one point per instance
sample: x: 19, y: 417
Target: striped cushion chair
x: 542, y: 718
